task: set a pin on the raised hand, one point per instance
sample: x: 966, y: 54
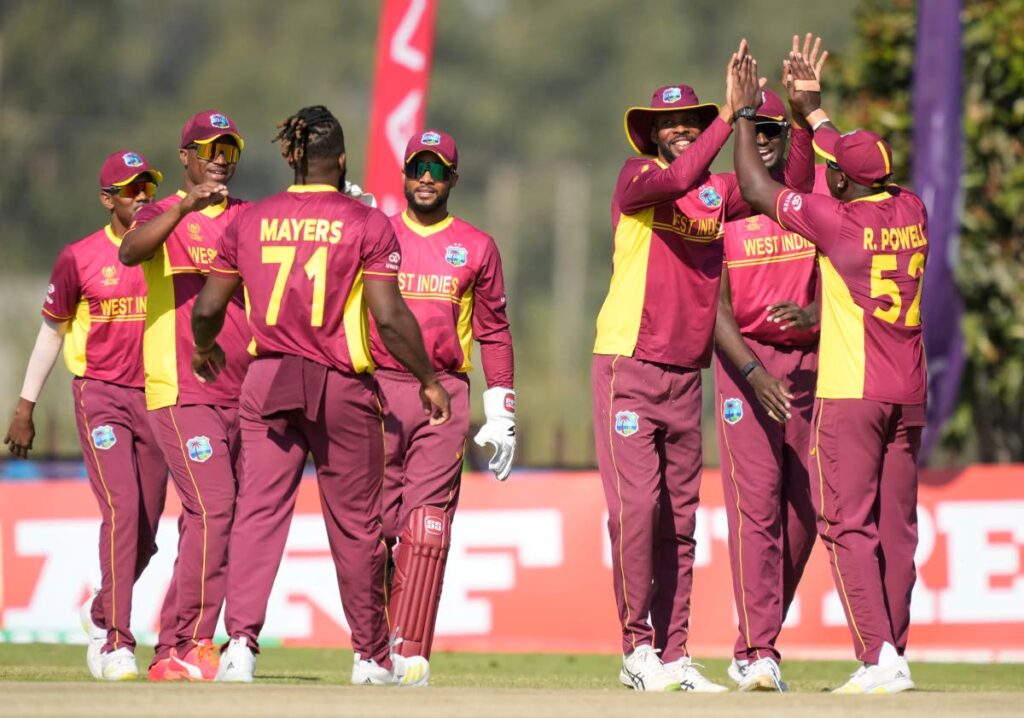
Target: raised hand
x: 746, y: 86
x: 803, y: 78
x: 727, y: 107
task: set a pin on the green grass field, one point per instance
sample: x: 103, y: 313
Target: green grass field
x: 52, y: 680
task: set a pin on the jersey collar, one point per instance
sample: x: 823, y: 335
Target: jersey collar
x: 877, y: 197
x: 312, y: 188
x: 109, y: 229
x: 213, y: 210
x: 425, y: 230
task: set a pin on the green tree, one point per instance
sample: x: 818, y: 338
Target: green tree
x: 875, y: 91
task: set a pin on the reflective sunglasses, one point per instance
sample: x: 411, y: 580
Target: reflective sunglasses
x: 770, y: 130
x: 418, y: 168
x: 833, y: 166
x: 132, y: 189
x: 209, y: 151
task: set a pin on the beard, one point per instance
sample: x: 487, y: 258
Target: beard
x: 440, y: 199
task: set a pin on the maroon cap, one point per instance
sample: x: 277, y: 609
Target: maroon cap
x: 124, y: 166
x: 440, y: 143
x: 862, y: 155
x: 671, y: 98
x: 772, y: 108
x: 206, y: 126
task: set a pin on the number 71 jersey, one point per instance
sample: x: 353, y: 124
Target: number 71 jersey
x: 872, y: 254
x: 304, y: 256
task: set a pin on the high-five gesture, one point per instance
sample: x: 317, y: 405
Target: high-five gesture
x: 746, y: 86
x: 737, y: 57
x: 801, y: 76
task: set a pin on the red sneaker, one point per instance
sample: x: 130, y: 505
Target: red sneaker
x: 159, y: 670
x: 199, y: 664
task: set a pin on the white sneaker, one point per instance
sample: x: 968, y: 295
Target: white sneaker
x: 642, y: 670
x: 237, y: 662
x: 406, y: 672
x: 894, y: 678
x: 763, y: 675
x: 737, y: 670
x: 97, y: 637
x: 684, y: 672
x: 119, y: 665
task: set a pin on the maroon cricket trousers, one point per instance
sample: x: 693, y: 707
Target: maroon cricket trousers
x: 648, y: 438
x: 864, y: 489
x: 766, y: 490
x: 341, y: 424
x: 128, y: 476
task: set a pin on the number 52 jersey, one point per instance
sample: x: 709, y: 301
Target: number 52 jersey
x: 304, y: 255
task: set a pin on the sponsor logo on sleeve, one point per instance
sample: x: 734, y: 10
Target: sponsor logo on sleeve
x: 394, y: 262
x: 510, y: 403
x: 793, y: 202
x: 219, y: 121
x: 131, y: 159
x: 627, y: 423
x: 732, y: 411
x: 671, y: 95
x: 456, y: 255
x: 433, y: 525
x: 50, y: 289
x: 103, y: 437
x: 430, y: 138
x: 710, y: 197
x: 199, y: 449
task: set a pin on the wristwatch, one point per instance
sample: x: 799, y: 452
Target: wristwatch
x: 746, y: 113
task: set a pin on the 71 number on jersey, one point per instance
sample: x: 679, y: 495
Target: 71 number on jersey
x: 315, y: 268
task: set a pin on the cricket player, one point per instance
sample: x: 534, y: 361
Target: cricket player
x: 870, y: 400
x: 766, y: 352
x: 96, y: 308
x: 452, y: 281
x: 313, y: 260
x: 654, y: 334
x: 175, y: 242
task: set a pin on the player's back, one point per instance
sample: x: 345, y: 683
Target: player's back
x: 880, y: 258
x: 303, y: 255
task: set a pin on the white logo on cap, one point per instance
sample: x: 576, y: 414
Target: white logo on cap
x: 220, y: 121
x: 430, y: 138
x: 131, y: 159
x: 671, y: 94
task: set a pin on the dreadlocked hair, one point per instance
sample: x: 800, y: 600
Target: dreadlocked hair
x: 312, y: 132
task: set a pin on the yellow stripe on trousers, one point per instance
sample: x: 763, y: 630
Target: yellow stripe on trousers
x: 739, y: 525
x: 113, y: 516
x: 830, y: 543
x: 618, y: 490
x: 202, y: 507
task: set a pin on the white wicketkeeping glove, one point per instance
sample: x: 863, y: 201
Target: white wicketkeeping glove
x: 500, y: 430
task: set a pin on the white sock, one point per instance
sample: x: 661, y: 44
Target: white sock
x: 888, y: 655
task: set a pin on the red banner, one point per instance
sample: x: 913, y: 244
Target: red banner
x: 405, y: 45
x: 529, y: 570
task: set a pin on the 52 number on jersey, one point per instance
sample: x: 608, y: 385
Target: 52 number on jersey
x: 888, y: 288
x: 316, y: 270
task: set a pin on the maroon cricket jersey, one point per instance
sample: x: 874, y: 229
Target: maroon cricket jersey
x: 667, y: 220
x: 452, y: 281
x: 104, y: 303
x: 304, y: 255
x: 174, y: 276
x: 872, y: 258
x: 768, y: 264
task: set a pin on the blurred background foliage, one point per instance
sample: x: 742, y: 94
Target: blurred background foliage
x: 534, y: 91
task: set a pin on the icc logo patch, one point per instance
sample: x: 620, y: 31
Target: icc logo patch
x: 627, y: 423
x: 732, y: 411
x: 456, y: 255
x: 131, y: 159
x: 199, y: 449
x: 219, y: 121
x: 103, y: 437
x: 671, y: 95
x: 430, y: 138
x: 710, y: 197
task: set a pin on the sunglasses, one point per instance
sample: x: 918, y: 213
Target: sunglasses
x: 209, y: 151
x: 132, y: 189
x: 437, y: 170
x: 833, y: 166
x: 770, y: 130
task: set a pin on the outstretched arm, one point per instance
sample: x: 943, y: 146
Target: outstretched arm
x: 756, y: 185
